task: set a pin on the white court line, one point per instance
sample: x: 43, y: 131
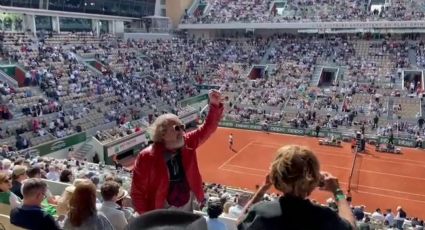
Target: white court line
x: 244, y: 173
x: 235, y: 155
x: 269, y: 133
x: 389, y: 196
x: 356, y: 191
x: 265, y: 172
x: 248, y: 168
x: 385, y: 159
x: 278, y: 146
x: 339, y: 167
x: 369, y: 157
x: 393, y: 160
x: 389, y: 190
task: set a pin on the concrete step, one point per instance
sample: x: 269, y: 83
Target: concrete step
x: 316, y: 75
x: 82, y: 152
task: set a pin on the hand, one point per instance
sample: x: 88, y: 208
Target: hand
x: 330, y: 183
x: 215, y: 97
x: 267, y: 184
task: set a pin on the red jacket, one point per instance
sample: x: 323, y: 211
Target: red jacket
x: 149, y: 188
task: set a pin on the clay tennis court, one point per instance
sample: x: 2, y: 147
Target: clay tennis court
x: 379, y: 179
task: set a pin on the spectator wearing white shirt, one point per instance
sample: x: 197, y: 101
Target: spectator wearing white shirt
x: 53, y: 173
x: 110, y: 208
x: 6, y: 163
x: 377, y: 215
x: 400, y: 217
x: 236, y: 210
x: 214, y: 210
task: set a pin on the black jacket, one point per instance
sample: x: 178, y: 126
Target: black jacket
x: 291, y: 213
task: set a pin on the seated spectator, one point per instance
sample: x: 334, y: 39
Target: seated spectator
x: 6, y: 196
x: 6, y: 166
x: 53, y: 173
x: 168, y: 220
x: 389, y: 216
x: 214, y: 210
x: 237, y: 210
x: 226, y: 208
x: 125, y: 203
x: 30, y: 215
x: 400, y: 217
x: 82, y: 210
x: 110, y: 209
x: 360, y: 220
x: 296, y: 172
x: 377, y: 215
x: 18, y: 176
x: 63, y: 201
x: 66, y: 176
x: 35, y: 172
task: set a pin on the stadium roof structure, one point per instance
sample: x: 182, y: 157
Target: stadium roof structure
x: 43, y: 12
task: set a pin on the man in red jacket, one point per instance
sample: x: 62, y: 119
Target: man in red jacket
x: 166, y: 174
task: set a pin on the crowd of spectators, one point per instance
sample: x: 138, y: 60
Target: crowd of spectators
x: 111, y: 206
x: 225, y: 11
x: 144, y: 79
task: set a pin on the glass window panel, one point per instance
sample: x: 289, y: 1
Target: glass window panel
x: 20, y: 3
x: 34, y: 4
x: 75, y: 24
x: 137, y: 10
x: 5, y: 2
x: 7, y: 23
x: 56, y: 4
x: 112, y: 7
x: 74, y: 5
x: 125, y: 7
x: 130, y: 8
x: 104, y: 26
x: 95, y: 6
x: 43, y: 23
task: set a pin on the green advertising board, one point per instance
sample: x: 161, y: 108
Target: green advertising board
x: 398, y: 141
x: 286, y: 130
x: 229, y: 124
x: 247, y: 126
x: 257, y: 127
x: 194, y: 100
x: 324, y: 133
x: 207, y: 87
x: 63, y: 143
x: 311, y: 132
x: 280, y: 129
x: 9, y: 70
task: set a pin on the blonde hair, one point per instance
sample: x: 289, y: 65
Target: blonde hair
x: 6, y: 163
x: 295, y: 171
x: 159, y: 127
x: 227, y: 206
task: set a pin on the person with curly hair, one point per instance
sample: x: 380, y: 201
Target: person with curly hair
x: 296, y: 173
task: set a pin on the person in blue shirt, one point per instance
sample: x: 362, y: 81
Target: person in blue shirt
x: 30, y: 215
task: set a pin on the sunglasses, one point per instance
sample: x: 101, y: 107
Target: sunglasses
x: 179, y: 128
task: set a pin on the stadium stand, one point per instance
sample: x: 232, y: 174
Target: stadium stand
x: 79, y: 81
